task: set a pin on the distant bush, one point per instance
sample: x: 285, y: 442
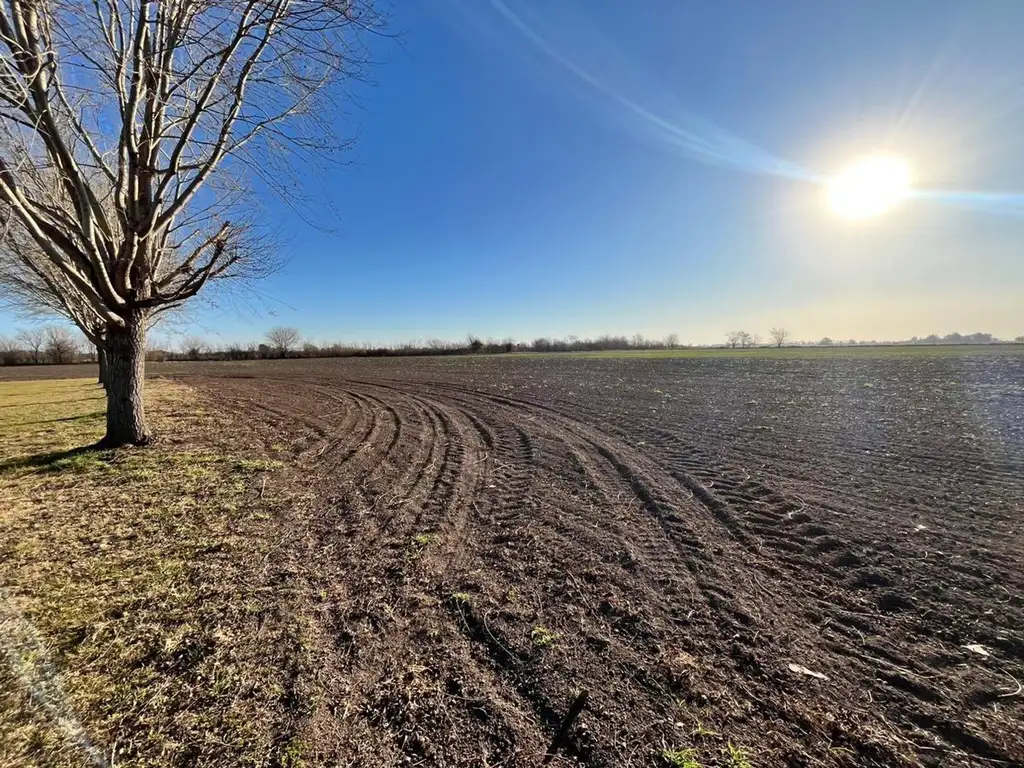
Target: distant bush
x: 9, y: 352
x: 62, y: 347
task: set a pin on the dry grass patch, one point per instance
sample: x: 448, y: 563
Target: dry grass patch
x: 143, y: 615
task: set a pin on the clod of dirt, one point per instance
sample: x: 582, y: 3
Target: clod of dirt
x: 847, y: 559
x: 812, y: 531
x: 828, y: 544
x: 869, y: 579
x: 894, y: 602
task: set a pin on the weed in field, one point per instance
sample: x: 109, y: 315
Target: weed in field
x: 422, y: 540
x: 461, y: 598
x: 419, y: 543
x: 701, y: 732
x: 736, y: 757
x: 543, y: 637
x: 681, y: 758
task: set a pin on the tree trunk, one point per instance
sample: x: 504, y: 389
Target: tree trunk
x: 125, y: 371
x: 101, y: 358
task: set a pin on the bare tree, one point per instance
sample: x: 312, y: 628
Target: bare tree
x: 33, y: 339
x: 283, y: 339
x: 672, y: 341
x: 778, y: 336
x: 61, y: 345
x: 33, y: 287
x: 127, y: 130
x: 42, y: 292
x: 733, y: 338
x: 745, y: 339
x: 193, y: 347
x: 10, y: 353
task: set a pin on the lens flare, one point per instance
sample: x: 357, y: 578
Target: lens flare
x: 867, y: 188
x: 870, y: 186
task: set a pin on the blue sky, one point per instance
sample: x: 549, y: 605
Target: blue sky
x: 539, y: 177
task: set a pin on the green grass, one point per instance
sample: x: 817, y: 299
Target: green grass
x: 133, y: 584
x: 681, y: 758
x: 810, y: 353
x: 55, y: 414
x: 700, y: 732
x: 737, y: 757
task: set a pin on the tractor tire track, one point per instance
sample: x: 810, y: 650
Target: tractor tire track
x: 482, y: 552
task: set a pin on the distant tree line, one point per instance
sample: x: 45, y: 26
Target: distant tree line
x: 54, y: 344
x: 50, y: 344
x: 780, y: 337
x: 288, y: 343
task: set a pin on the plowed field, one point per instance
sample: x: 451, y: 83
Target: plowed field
x: 818, y: 562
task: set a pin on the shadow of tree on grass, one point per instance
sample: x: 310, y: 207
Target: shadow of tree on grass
x: 74, y: 459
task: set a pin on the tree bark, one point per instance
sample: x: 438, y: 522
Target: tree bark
x: 101, y: 358
x: 125, y: 371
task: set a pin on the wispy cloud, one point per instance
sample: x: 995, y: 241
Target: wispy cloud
x: 696, y: 136
x: 702, y: 140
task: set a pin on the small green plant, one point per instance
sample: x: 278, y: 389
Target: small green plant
x: 461, y: 598
x: 699, y: 731
x: 421, y: 540
x: 543, y: 637
x: 704, y: 733
x: 681, y: 758
x: 736, y: 757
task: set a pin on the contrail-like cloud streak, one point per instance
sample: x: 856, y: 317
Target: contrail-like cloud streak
x: 701, y: 140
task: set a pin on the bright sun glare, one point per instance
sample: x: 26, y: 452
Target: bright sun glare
x: 868, y: 187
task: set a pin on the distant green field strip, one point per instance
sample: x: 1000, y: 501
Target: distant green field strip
x: 951, y: 350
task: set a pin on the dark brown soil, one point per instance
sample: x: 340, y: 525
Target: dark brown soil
x: 683, y: 539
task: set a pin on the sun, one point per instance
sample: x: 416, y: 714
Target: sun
x: 869, y: 186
